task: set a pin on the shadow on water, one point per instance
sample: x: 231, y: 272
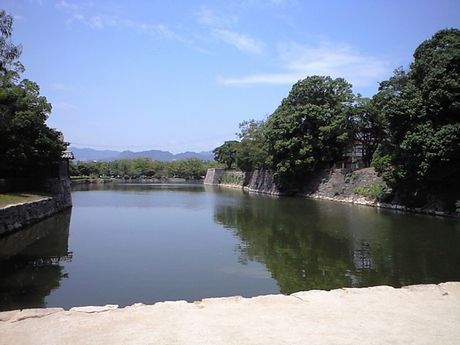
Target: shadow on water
x: 30, y: 262
x: 307, y: 244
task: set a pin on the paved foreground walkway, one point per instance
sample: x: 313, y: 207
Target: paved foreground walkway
x: 420, y: 314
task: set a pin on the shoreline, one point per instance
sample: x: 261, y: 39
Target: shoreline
x: 356, y: 200
x: 417, y: 314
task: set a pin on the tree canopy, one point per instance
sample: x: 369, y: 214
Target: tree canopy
x: 310, y: 128
x: 143, y: 167
x: 27, y: 145
x: 226, y: 153
x: 252, y: 149
x: 409, y: 130
x: 420, y: 155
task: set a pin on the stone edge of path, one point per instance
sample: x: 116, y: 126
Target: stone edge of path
x: 442, y: 289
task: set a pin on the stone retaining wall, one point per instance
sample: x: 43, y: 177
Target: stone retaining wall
x: 328, y: 184
x: 14, y: 217
x: 213, y: 176
x: 261, y: 181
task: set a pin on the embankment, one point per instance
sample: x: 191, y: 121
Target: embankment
x: 420, y: 314
x: 14, y: 217
x: 329, y: 184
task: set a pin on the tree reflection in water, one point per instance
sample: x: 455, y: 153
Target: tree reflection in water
x: 30, y: 262
x: 307, y: 244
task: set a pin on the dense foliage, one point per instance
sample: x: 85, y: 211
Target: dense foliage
x: 226, y: 153
x: 252, y: 151
x: 420, y: 155
x: 409, y: 130
x: 143, y: 167
x: 309, y: 130
x: 27, y: 145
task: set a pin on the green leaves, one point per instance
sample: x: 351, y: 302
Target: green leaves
x: 226, y: 153
x: 421, y: 110
x: 27, y: 145
x: 309, y: 130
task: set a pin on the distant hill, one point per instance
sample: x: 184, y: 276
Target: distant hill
x: 85, y: 154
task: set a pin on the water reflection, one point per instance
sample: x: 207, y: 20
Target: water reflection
x: 139, y: 187
x: 323, y: 245
x: 31, y: 262
x: 148, y: 243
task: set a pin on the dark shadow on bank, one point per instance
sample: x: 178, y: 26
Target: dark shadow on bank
x: 307, y: 244
x: 31, y: 262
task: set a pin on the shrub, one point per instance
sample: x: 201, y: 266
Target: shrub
x: 231, y: 179
x: 374, y: 191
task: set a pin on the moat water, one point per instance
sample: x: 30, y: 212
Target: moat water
x: 126, y: 243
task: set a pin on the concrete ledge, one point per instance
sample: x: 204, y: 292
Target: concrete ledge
x: 420, y: 314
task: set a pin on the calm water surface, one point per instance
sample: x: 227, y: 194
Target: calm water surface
x: 122, y: 244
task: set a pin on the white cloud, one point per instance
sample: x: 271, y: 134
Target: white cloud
x: 66, y: 5
x: 274, y: 3
x: 100, y: 21
x: 240, y: 41
x: 208, y: 17
x: 336, y: 61
x: 220, y: 27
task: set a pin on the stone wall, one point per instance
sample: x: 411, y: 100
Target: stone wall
x: 261, y: 181
x: 16, y: 216
x: 258, y: 181
x: 213, y: 176
x: 340, y: 184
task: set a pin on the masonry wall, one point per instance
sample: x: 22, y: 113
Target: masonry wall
x: 213, y: 176
x: 16, y: 216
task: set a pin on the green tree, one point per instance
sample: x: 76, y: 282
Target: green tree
x: 226, y: 153
x: 9, y: 52
x: 420, y: 157
x: 252, y: 150
x: 310, y: 129
x: 27, y: 145
x: 368, y: 126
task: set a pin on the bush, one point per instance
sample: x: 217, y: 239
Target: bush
x: 231, y: 179
x: 374, y: 191
x: 457, y: 206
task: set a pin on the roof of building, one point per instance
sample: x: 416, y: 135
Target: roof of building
x: 67, y: 155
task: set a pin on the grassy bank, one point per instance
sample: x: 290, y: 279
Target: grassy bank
x: 17, y: 198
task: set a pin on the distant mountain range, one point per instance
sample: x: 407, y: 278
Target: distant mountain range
x: 85, y: 154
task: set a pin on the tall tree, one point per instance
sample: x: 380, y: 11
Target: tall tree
x: 252, y: 151
x: 310, y: 129
x: 27, y: 145
x: 226, y: 153
x: 368, y: 127
x: 420, y: 157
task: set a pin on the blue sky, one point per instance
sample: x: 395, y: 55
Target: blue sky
x: 181, y: 75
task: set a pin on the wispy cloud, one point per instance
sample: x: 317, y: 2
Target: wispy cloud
x: 298, y: 61
x: 100, y: 22
x: 222, y: 28
x: 85, y: 13
x: 206, y: 16
x: 240, y: 41
x: 271, y: 3
x: 68, y: 5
